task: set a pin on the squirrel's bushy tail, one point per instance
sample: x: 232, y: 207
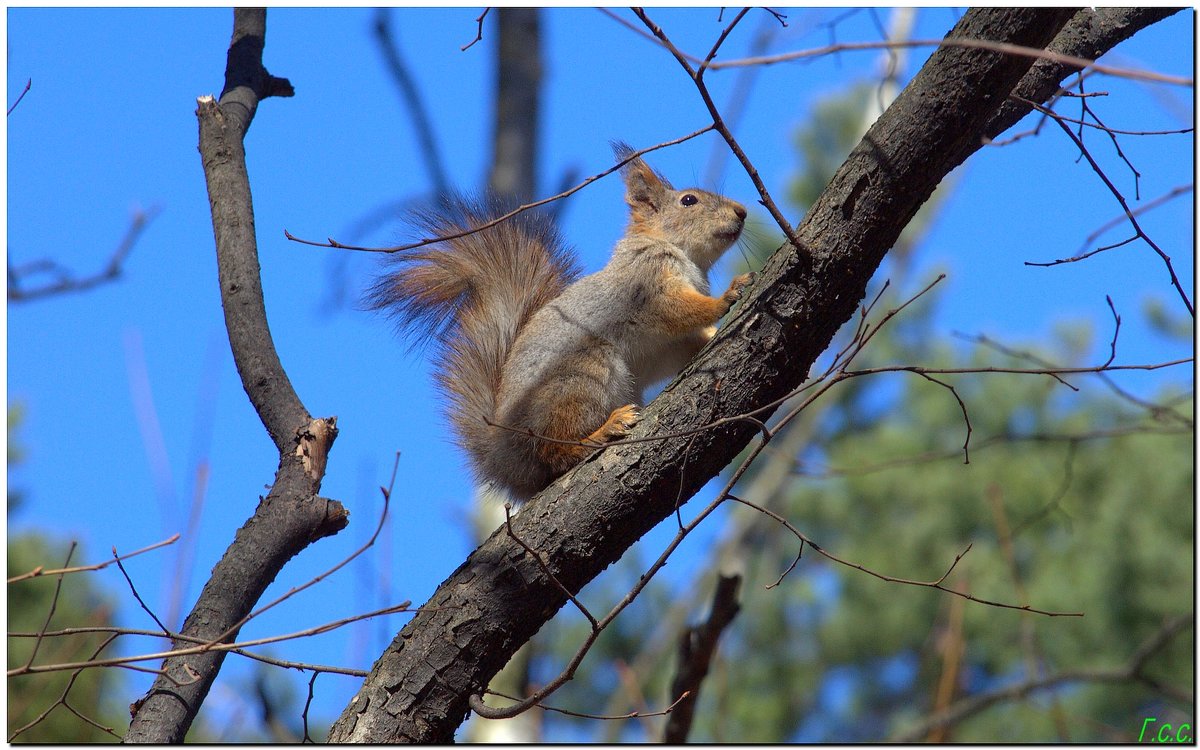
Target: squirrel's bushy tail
x: 471, y: 294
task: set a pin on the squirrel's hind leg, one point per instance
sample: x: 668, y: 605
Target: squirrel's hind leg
x: 617, y: 426
x: 561, y: 457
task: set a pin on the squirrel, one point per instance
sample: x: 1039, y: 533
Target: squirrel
x: 541, y: 367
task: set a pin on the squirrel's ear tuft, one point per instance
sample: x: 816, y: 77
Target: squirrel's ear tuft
x: 621, y: 149
x: 643, y: 185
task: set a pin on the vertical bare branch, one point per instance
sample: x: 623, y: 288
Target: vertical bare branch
x: 292, y: 516
x: 518, y: 88
x: 696, y: 649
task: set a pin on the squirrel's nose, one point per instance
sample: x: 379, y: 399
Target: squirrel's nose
x: 740, y: 212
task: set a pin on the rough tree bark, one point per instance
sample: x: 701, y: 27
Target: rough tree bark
x: 292, y: 515
x: 499, y: 597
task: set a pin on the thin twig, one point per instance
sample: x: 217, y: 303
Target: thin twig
x: 826, y: 384
x: 1116, y: 332
x: 330, y: 242
x: 478, y: 31
x: 387, y: 494
x: 599, y: 717
x: 962, y: 407
x: 697, y: 77
x: 62, y: 699
x: 918, y: 370
x: 65, y: 283
x: 40, y: 572
x: 934, y: 584
x: 284, y: 663
x: 1112, y: 135
x: 28, y: 84
x: 545, y: 568
x: 1143, y: 208
x: 209, y: 646
x: 1132, y: 671
x: 53, y: 606
x: 642, y: 32
x: 308, y: 704
x: 117, y: 559
x: 739, y: 96
x: 830, y: 472
x: 1120, y: 199
x: 1100, y: 126
x: 985, y: 44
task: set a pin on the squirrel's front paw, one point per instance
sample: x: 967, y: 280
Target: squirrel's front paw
x: 739, y: 283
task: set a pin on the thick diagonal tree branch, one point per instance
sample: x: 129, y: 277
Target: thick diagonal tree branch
x: 1089, y: 34
x: 500, y: 596
x: 292, y: 516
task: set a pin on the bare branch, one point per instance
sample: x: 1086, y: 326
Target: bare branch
x: 209, y: 647
x: 136, y: 595
x: 994, y: 440
x: 499, y: 219
x: 697, y: 646
x: 53, y: 606
x: 1112, y: 136
x: 601, y: 717
x: 934, y: 584
x: 285, y: 663
x: 542, y: 562
x: 780, y: 17
x: 65, y: 282
x: 1149, y: 205
x: 697, y: 77
x: 24, y: 91
x: 1124, y: 206
x: 739, y: 96
x: 62, y: 700
x: 642, y: 33
x: 293, y: 515
x: 312, y: 681
x: 962, y: 407
x: 478, y: 31
x: 427, y: 146
x: 387, y: 494
x: 963, y: 43
x: 1132, y: 671
x: 39, y: 572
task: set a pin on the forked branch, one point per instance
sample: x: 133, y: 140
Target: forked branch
x: 293, y: 515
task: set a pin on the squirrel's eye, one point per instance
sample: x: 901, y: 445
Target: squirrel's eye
x: 689, y: 200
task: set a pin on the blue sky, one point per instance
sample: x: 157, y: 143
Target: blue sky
x: 128, y: 388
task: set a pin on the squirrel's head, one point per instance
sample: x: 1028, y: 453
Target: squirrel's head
x: 702, y: 224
